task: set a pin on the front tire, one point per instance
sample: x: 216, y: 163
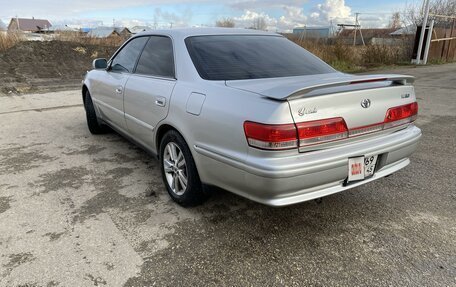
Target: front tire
x: 92, y: 120
x: 179, y: 172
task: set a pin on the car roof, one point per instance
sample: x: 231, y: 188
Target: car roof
x: 188, y: 32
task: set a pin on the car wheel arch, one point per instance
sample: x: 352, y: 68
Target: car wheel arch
x: 161, y: 131
x: 85, y: 89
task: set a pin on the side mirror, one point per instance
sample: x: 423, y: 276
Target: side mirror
x: 100, y: 64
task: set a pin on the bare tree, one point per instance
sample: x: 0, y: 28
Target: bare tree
x: 259, y: 23
x: 413, y: 12
x: 395, y: 21
x: 225, y: 22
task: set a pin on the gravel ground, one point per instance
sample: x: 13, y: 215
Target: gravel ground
x: 83, y: 210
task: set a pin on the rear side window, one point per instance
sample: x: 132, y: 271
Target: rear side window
x: 238, y: 57
x: 157, y: 58
x: 125, y: 60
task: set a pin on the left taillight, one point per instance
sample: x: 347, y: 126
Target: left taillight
x: 271, y: 137
x: 401, y: 115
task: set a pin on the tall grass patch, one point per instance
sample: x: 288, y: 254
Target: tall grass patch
x: 8, y: 41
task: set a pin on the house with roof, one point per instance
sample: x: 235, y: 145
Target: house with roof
x: 409, y: 30
x: 313, y: 32
x: 64, y: 28
x: 26, y: 25
x: 110, y: 32
x: 139, y: 29
x: 375, y: 36
x: 124, y: 32
x: 104, y: 32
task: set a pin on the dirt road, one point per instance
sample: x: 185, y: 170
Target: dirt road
x: 83, y: 210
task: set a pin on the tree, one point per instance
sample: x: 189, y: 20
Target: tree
x: 413, y: 13
x: 259, y: 23
x: 395, y: 21
x: 225, y: 22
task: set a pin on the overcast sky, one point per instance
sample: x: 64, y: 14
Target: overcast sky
x: 280, y: 15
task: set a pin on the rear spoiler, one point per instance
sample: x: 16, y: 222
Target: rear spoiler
x: 323, y: 84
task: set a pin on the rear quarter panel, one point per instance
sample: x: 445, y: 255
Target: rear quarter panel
x: 219, y: 127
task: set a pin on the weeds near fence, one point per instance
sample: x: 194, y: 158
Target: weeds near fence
x: 77, y: 37
x: 349, y: 58
x: 9, y: 40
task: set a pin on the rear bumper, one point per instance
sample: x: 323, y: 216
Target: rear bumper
x: 306, y: 176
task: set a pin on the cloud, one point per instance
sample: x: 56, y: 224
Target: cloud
x: 369, y: 21
x: 283, y: 15
x: 294, y: 15
x: 264, y: 4
x: 334, y: 10
x: 58, y: 9
x: 160, y: 19
x: 247, y: 19
x: 176, y: 20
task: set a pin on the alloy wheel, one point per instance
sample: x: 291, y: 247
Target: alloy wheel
x: 175, y: 168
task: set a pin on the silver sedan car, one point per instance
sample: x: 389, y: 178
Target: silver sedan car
x: 252, y: 113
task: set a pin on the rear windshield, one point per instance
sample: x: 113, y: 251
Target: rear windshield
x: 238, y: 57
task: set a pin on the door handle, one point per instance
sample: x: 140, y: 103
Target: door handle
x: 160, y: 101
x: 119, y: 90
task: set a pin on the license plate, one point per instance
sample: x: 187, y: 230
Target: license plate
x: 361, y: 167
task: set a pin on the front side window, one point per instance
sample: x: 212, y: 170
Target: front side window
x: 125, y: 60
x: 157, y: 58
x: 239, y: 57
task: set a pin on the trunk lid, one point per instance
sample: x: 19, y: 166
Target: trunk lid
x: 360, y: 100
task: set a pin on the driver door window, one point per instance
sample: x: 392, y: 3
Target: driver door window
x: 111, y: 88
x: 125, y: 60
x: 157, y: 59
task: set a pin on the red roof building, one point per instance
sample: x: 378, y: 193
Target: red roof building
x: 28, y: 25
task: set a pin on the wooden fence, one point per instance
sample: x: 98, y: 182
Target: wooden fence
x: 443, y: 43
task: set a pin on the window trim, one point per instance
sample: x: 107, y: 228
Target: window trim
x: 173, y: 78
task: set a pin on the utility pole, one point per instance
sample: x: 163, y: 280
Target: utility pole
x: 358, y: 27
x: 428, y: 42
x: 423, y: 30
x: 170, y: 25
x: 331, y: 31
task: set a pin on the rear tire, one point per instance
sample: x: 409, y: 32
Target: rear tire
x: 92, y: 120
x: 179, y: 172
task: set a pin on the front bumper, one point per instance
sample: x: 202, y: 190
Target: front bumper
x: 306, y: 176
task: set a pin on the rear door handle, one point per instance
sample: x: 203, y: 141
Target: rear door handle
x: 119, y: 90
x: 160, y: 101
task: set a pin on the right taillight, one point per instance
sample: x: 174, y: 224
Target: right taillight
x: 401, y: 115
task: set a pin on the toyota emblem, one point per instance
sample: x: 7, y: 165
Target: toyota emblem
x: 365, y: 103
